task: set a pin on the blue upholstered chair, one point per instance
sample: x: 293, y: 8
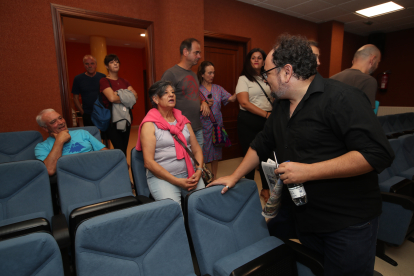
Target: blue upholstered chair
x: 229, y: 234
x: 34, y: 254
x: 139, y: 173
x: 147, y: 240
x: 91, y: 129
x: 18, y: 146
x: 396, y: 223
x: 25, y: 198
x: 90, y: 178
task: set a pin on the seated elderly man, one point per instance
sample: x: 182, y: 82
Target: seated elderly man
x: 61, y: 141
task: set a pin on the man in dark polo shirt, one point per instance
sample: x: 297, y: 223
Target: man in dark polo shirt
x: 336, y: 147
x: 87, y: 85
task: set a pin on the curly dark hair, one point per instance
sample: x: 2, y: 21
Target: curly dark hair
x: 248, y: 70
x: 296, y: 51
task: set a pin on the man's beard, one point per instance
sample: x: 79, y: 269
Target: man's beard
x: 282, y: 89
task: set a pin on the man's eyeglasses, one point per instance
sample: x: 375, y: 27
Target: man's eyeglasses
x: 264, y: 73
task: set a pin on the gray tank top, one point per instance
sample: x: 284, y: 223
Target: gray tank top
x: 165, y: 154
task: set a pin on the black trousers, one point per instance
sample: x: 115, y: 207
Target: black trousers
x: 248, y: 126
x: 87, y: 121
x: 119, y: 139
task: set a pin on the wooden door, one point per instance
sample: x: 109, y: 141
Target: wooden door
x: 227, y: 57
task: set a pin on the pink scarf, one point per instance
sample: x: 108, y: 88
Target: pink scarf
x: 155, y: 116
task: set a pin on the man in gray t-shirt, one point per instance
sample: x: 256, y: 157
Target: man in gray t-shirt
x: 365, y: 62
x: 186, y: 86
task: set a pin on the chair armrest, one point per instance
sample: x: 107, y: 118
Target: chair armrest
x: 308, y: 257
x: 60, y: 230
x: 79, y: 215
x: 23, y: 228
x: 402, y: 186
x: 143, y: 199
x: 280, y: 258
x: 406, y: 202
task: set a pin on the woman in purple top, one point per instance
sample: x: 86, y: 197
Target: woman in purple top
x: 216, y: 96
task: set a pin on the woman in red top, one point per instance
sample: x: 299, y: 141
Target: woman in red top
x: 108, y: 88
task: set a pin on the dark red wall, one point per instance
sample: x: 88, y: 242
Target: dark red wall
x: 399, y: 59
x: 132, y: 67
x: 261, y: 25
x: 29, y: 74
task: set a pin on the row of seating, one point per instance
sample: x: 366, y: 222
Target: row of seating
x: 397, y: 124
x: 95, y: 188
x: 20, y: 145
x: 397, y: 189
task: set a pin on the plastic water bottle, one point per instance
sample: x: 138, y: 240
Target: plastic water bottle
x: 298, y: 193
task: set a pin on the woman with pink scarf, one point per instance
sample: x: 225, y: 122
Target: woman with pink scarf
x: 171, y: 173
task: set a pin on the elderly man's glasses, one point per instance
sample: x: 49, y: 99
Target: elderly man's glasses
x: 264, y: 73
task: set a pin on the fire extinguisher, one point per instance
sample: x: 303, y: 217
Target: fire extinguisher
x: 384, y: 81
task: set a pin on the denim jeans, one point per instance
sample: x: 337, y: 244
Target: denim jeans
x: 200, y: 138
x: 350, y: 251
x: 161, y: 189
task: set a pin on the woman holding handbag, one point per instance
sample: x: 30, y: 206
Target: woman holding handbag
x: 255, y: 102
x: 109, y: 88
x: 215, y: 96
x: 172, y: 155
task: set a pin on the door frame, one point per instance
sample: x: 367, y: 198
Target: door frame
x: 230, y: 38
x: 58, y: 11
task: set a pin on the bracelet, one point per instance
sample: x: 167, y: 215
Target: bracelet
x: 199, y: 169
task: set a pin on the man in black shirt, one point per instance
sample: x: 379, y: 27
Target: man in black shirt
x: 336, y: 147
x: 87, y: 85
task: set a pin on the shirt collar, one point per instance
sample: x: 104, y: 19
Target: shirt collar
x: 316, y: 85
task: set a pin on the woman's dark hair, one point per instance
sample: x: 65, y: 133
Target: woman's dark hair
x: 248, y: 70
x: 110, y: 58
x: 202, y: 69
x: 296, y: 51
x: 158, y: 89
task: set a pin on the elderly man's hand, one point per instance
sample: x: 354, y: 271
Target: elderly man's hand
x: 62, y: 137
x: 204, y: 109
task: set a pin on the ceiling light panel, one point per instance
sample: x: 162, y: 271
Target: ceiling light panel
x: 380, y: 9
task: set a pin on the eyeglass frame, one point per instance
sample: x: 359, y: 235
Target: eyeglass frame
x: 264, y: 73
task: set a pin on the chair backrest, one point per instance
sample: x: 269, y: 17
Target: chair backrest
x: 394, y: 222
x: 91, y: 177
x: 147, y: 240
x: 139, y: 173
x: 377, y: 103
x: 220, y: 225
x: 24, y: 192
x: 91, y: 129
x: 34, y: 254
x: 400, y: 163
x: 407, y: 142
x: 18, y: 146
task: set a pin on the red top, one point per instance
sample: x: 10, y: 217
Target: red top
x: 120, y: 83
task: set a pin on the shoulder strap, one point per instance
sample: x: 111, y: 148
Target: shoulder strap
x: 186, y: 149
x: 267, y: 97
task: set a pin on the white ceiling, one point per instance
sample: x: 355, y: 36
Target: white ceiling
x: 319, y: 11
x: 78, y: 30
